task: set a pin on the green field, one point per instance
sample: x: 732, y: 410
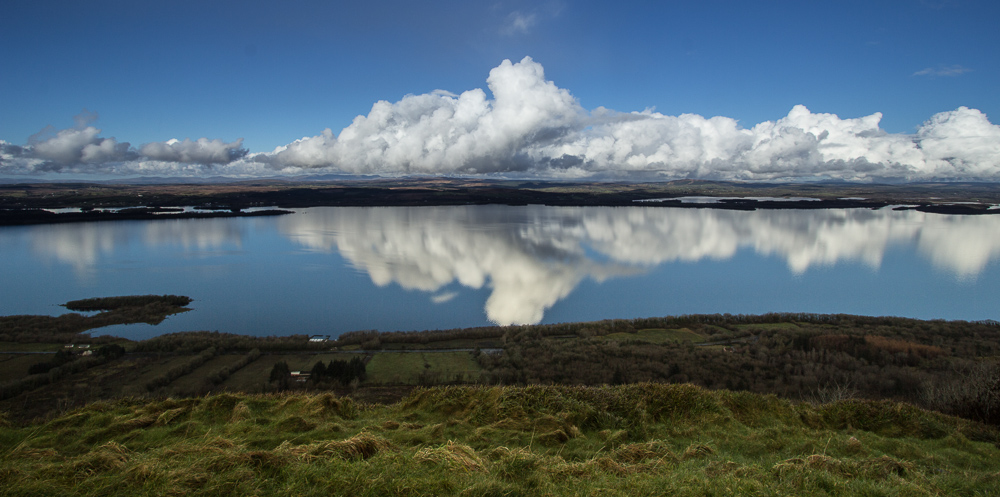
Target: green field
x: 252, y: 377
x: 29, y: 347
x: 152, y: 369
x: 13, y: 366
x: 457, y: 343
x: 411, y: 368
x: 194, y: 382
x: 659, y: 335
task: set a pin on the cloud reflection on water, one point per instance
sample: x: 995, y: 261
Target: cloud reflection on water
x: 429, y: 248
x: 532, y: 257
x: 82, y: 245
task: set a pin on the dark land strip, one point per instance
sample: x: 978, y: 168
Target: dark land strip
x: 22, y: 203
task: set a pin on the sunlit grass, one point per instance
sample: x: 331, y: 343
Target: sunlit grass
x: 628, y: 440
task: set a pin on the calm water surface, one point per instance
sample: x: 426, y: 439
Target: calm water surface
x: 328, y: 270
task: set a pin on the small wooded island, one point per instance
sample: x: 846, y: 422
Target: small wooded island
x: 776, y: 403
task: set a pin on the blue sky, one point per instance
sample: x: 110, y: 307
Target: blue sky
x: 275, y: 72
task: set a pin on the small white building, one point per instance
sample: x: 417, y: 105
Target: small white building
x: 300, y: 376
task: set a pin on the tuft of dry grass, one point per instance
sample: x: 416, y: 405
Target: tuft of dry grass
x: 640, y: 452
x: 452, y: 455
x: 111, y: 456
x: 241, y: 412
x: 360, y: 446
x: 697, y: 451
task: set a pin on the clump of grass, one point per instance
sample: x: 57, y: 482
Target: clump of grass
x: 295, y: 424
x: 878, y: 468
x: 171, y: 415
x: 217, y: 408
x: 453, y: 455
x: 883, y: 417
x: 854, y: 446
x: 241, y: 412
x: 106, y: 458
x: 326, y: 404
x: 883, y: 467
x: 697, y: 451
x: 515, y: 464
x: 640, y: 452
x: 361, y: 446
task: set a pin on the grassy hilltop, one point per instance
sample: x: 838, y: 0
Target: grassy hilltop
x: 776, y: 404
x: 639, y: 439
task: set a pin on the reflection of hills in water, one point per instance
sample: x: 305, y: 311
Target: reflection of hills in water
x: 531, y: 257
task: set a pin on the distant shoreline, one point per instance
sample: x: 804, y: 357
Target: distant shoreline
x: 22, y: 217
x: 22, y: 204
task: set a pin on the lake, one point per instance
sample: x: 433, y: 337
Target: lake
x: 328, y: 270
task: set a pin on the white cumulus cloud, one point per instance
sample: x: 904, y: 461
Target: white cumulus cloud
x: 80, y: 149
x: 533, y: 127
x: 527, y: 126
x: 200, y: 151
x: 443, y: 133
x: 79, y: 146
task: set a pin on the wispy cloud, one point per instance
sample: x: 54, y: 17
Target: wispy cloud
x: 955, y: 70
x: 519, y: 23
x: 443, y: 297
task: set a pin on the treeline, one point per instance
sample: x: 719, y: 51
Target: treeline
x: 189, y: 342
x: 57, y: 371
x: 717, y: 326
x: 64, y: 356
x: 343, y: 372
x: 822, y: 359
x: 374, y: 340
x: 112, y: 303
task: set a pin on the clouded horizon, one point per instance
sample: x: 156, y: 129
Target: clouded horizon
x: 830, y: 105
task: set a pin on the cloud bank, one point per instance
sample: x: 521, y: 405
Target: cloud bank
x: 532, y: 126
x: 201, y: 151
x: 80, y: 149
x: 527, y: 126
